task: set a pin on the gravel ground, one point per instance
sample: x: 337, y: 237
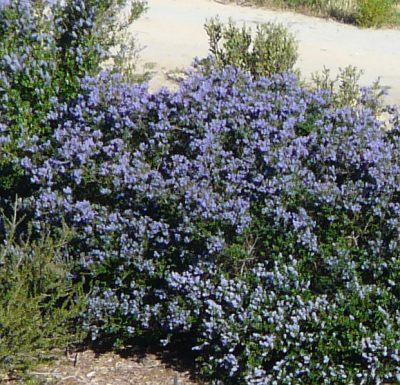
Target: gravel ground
x: 172, y: 34
x: 91, y: 368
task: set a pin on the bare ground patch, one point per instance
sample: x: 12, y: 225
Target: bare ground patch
x: 90, y: 367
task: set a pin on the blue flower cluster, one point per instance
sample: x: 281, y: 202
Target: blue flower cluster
x: 40, y: 44
x: 46, y: 48
x: 246, y: 216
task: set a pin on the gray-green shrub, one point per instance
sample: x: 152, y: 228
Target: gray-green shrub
x: 273, y: 49
x: 345, y: 88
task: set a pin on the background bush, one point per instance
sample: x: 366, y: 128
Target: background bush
x: 374, y: 13
x: 345, y: 89
x: 366, y: 13
x: 272, y: 50
x: 246, y: 217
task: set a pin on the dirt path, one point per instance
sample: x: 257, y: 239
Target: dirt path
x: 172, y: 35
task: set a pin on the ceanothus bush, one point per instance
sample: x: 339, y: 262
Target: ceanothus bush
x: 247, y: 217
x: 46, y: 48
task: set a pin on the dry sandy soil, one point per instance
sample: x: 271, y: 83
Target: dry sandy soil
x: 172, y: 34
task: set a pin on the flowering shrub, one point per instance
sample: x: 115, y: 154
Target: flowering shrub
x: 244, y: 216
x: 46, y: 48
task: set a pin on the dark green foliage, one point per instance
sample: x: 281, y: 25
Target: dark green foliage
x: 39, y: 303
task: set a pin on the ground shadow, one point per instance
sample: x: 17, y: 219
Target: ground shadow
x: 177, y: 356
